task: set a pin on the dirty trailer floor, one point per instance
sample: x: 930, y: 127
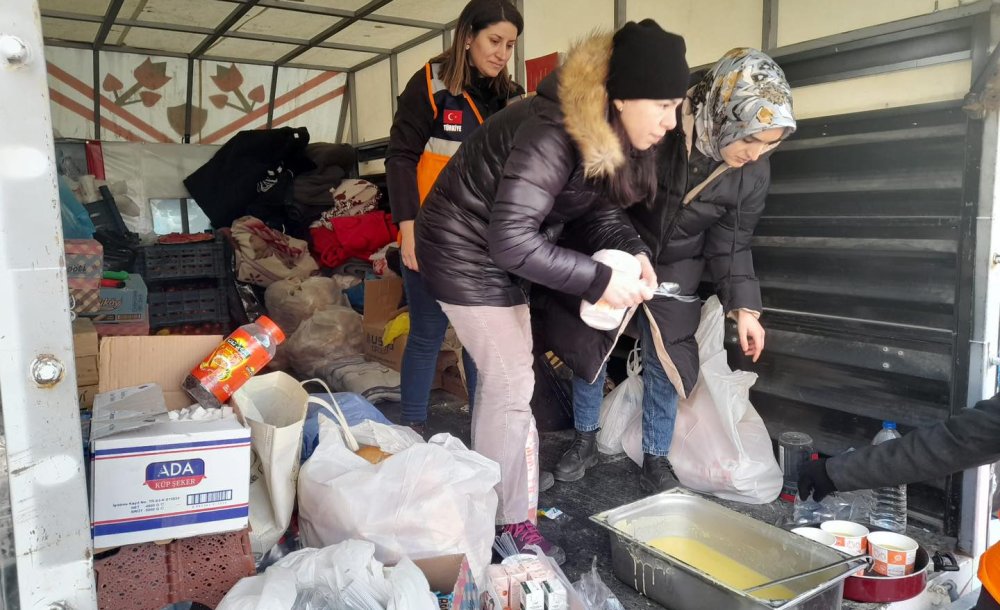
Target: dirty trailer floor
x: 613, y: 482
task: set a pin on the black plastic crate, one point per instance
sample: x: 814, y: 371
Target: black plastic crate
x: 183, y: 261
x: 188, y: 306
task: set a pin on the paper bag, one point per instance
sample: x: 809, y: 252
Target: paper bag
x: 274, y: 407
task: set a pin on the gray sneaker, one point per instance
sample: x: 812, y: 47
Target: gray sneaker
x: 545, y: 481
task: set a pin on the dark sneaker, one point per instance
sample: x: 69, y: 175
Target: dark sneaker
x: 580, y: 456
x: 545, y: 481
x: 525, y: 534
x: 657, y: 474
x: 419, y: 427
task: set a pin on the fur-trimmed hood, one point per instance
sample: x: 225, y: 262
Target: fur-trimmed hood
x: 580, y: 89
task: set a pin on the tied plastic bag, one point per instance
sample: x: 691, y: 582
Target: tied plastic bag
x: 594, y: 594
x: 425, y: 500
x: 293, y: 301
x: 345, y: 575
x: 329, y: 334
x: 720, y: 443
x: 621, y: 407
x: 274, y: 407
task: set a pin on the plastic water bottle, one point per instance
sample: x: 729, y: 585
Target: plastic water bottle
x: 890, y: 502
x: 236, y: 360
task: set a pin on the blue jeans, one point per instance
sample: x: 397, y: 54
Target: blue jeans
x: 659, y: 398
x: 428, y: 325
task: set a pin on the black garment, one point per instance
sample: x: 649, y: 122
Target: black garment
x: 311, y: 190
x: 499, y: 205
x: 969, y: 439
x: 986, y: 601
x: 251, y: 174
x: 713, y: 230
x: 412, y: 127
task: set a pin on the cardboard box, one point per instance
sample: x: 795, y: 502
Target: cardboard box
x: 155, y: 479
x: 382, y: 299
x: 451, y: 578
x: 84, y: 267
x: 126, y: 304
x: 86, y: 370
x: 84, y: 337
x: 85, y: 396
x: 166, y: 361
x: 151, y: 478
x: 138, y: 328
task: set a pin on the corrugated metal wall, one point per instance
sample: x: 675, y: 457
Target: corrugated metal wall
x: 857, y: 258
x: 864, y: 257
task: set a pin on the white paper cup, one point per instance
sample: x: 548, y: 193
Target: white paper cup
x: 893, y: 554
x: 850, y: 536
x: 814, y: 533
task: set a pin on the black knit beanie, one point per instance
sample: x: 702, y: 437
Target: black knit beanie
x: 647, y: 63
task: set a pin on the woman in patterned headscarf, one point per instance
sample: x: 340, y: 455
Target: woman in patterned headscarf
x: 713, y: 177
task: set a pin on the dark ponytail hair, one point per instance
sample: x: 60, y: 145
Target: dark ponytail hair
x: 635, y: 181
x: 456, y: 70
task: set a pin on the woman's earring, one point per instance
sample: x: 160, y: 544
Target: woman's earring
x: 620, y: 106
x: 467, y: 47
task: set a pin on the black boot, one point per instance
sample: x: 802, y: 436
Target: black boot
x: 582, y: 454
x: 657, y: 474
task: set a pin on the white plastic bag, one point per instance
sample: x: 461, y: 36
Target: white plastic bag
x: 428, y: 499
x: 720, y: 443
x: 620, y: 407
x: 334, y: 575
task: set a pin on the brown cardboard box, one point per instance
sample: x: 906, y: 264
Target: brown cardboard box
x: 164, y: 360
x: 451, y: 578
x: 84, y: 337
x: 86, y: 395
x: 86, y: 370
x: 382, y: 299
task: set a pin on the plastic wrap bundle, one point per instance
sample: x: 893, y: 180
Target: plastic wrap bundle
x: 329, y: 334
x: 291, y: 302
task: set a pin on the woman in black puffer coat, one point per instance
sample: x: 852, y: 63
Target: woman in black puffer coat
x: 713, y: 177
x: 576, y: 151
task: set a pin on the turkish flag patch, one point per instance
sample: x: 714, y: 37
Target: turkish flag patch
x: 452, y: 117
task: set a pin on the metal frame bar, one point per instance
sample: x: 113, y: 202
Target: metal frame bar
x: 445, y: 40
x: 352, y: 91
x: 362, y: 12
x: 270, y: 100
x: 334, y: 12
x: 226, y: 25
x: 519, y: 58
x: 621, y: 12
x: 394, y: 80
x: 95, y: 59
x: 189, y: 97
x: 345, y: 105
x: 41, y: 422
x: 193, y: 29
x: 109, y: 19
x: 769, y: 35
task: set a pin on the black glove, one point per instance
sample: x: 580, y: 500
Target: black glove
x: 814, y: 480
